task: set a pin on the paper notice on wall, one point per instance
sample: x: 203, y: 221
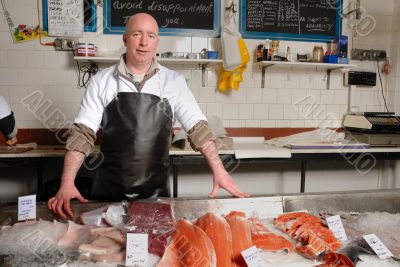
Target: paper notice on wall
x: 65, y: 18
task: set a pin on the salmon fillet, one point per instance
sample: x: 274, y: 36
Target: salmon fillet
x: 263, y: 239
x: 241, y: 236
x: 219, y: 232
x: 170, y: 257
x: 190, y: 247
x: 313, y: 237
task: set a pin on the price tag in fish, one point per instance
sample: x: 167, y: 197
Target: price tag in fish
x: 336, y: 226
x: 27, y: 208
x: 376, y: 244
x: 136, y: 249
x: 253, y: 258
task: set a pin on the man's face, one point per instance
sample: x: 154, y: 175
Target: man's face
x: 141, y: 40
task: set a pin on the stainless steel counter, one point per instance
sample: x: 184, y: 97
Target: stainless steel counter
x: 263, y: 206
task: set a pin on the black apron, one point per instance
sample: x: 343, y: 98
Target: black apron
x: 136, y: 134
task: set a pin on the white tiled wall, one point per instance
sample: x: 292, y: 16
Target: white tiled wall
x: 395, y: 51
x: 27, y: 67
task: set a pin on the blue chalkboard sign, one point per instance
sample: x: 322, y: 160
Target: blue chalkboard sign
x: 298, y: 20
x: 174, y: 17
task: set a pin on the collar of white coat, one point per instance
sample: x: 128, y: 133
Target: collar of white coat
x: 122, y: 69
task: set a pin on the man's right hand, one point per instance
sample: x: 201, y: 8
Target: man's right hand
x: 60, y: 203
x: 12, y: 141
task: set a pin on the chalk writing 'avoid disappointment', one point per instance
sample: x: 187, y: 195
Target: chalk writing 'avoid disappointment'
x: 171, y: 8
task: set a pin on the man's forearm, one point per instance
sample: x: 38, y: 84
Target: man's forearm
x: 72, y: 162
x: 210, y: 152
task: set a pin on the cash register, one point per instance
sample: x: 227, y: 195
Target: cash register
x: 374, y: 128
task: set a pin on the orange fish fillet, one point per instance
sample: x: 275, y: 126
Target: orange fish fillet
x: 241, y: 236
x: 190, y: 247
x: 265, y: 240
x: 219, y: 232
x: 284, y: 221
x: 297, y: 223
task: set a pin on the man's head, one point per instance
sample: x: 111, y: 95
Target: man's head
x: 141, y: 40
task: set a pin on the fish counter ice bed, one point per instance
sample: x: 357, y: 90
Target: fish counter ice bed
x: 286, y: 230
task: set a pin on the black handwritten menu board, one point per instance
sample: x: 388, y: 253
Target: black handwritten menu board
x: 174, y: 17
x: 303, y: 20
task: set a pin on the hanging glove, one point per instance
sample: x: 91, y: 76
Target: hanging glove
x: 231, y: 78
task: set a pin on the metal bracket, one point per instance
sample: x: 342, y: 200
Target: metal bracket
x: 203, y: 74
x: 328, y: 77
x: 263, y: 68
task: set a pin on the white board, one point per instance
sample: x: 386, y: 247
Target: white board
x: 65, y: 18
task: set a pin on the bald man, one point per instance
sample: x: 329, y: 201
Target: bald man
x: 135, y: 104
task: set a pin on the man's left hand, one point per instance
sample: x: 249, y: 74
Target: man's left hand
x: 225, y: 181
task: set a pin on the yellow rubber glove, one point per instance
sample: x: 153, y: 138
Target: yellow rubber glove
x: 232, y: 79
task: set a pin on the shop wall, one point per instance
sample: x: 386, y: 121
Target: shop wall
x: 395, y: 48
x: 28, y: 67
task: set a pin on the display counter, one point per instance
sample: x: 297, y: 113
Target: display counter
x: 64, y: 243
x: 264, y: 206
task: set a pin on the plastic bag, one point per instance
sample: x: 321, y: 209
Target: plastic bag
x: 154, y: 218
x: 233, y: 47
x: 109, y: 215
x: 107, y: 245
x: 231, y: 51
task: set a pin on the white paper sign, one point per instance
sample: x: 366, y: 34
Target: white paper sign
x: 65, y: 17
x: 336, y: 226
x: 136, y: 249
x: 252, y: 257
x: 376, y: 244
x: 27, y: 208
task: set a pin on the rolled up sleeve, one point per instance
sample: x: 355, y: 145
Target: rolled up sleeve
x: 199, y: 135
x: 81, y: 139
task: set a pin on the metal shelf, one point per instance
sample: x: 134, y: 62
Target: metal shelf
x: 329, y: 67
x: 200, y: 63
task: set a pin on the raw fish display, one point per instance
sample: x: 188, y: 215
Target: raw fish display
x: 219, y: 232
x: 294, y: 239
x: 241, y: 236
x: 75, y: 235
x: 108, y: 245
x: 154, y: 218
x: 313, y: 238
x: 190, y: 247
x: 263, y: 239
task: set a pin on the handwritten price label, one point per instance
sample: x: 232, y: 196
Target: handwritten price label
x: 136, y: 249
x: 336, y: 226
x: 252, y: 257
x: 376, y: 244
x: 27, y: 208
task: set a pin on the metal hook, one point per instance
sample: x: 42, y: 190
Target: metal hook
x: 231, y: 8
